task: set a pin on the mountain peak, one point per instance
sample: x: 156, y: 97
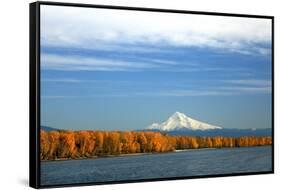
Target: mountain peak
x: 180, y: 121
x: 178, y: 114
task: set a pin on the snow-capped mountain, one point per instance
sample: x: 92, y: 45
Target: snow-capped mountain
x: 180, y: 121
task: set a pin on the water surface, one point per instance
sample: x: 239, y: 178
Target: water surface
x: 174, y: 164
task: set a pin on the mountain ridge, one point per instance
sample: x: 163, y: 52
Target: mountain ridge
x: 47, y: 128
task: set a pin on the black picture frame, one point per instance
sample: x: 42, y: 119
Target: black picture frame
x: 34, y: 82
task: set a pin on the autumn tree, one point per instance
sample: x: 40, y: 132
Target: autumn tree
x: 67, y: 145
x: 141, y: 138
x: 44, y: 145
x: 54, y: 142
x: 80, y: 144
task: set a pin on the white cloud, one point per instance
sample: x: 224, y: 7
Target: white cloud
x: 106, y: 29
x: 51, y: 61
x: 255, y: 82
x: 55, y: 97
x: 184, y: 93
x: 74, y: 63
x: 75, y: 80
x: 252, y: 87
x: 216, y: 91
x: 67, y: 80
x: 259, y: 89
x: 221, y: 91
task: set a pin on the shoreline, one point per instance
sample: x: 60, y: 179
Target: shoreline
x: 142, y: 154
x: 191, y: 149
x: 105, y: 156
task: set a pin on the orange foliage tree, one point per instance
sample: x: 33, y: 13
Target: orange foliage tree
x: 81, y: 144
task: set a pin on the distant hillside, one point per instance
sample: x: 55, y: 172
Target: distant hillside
x: 46, y: 128
x: 218, y: 132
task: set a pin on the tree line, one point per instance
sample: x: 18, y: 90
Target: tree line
x: 83, y: 144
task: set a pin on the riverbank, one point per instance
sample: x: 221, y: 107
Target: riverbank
x: 103, y: 156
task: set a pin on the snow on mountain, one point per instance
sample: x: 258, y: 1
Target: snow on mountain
x: 181, y: 121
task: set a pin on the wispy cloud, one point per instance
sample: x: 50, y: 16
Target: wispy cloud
x: 255, y: 82
x: 69, y: 62
x: 219, y: 91
x: 76, y: 80
x: 56, y: 97
x: 202, y: 68
x: 242, y: 90
x: 66, y: 80
x: 91, y: 63
x: 86, y: 97
x: 214, y: 91
x: 184, y: 93
x: 180, y: 88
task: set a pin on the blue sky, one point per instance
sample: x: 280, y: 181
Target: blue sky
x: 123, y: 70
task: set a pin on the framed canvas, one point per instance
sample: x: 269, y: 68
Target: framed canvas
x: 127, y: 94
